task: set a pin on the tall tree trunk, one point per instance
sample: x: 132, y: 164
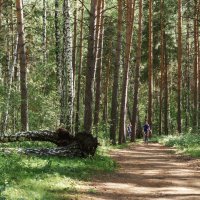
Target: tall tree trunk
x: 67, y: 96
x: 161, y: 63
x: 8, y: 92
x: 195, y: 78
x: 74, y: 41
x: 150, y: 65
x: 129, y: 33
x: 137, y: 75
x: 79, y: 70
x: 57, y: 47
x: 97, y: 69
x: 1, y: 5
x: 106, y: 88
x: 114, y: 106
x: 99, y: 66
x: 179, y: 64
x: 198, y: 90
x: 44, y: 35
x: 187, y: 73
x: 166, y: 102
x: 23, y: 66
x: 89, y: 89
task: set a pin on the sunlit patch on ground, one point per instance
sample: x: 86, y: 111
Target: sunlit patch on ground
x: 145, y: 173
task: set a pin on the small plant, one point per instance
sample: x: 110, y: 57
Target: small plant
x: 31, y: 177
x: 188, y: 143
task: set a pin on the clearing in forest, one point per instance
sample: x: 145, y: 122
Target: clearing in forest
x: 146, y: 172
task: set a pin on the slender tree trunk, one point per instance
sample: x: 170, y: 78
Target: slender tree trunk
x: 79, y: 70
x: 1, y: 5
x: 58, y: 49
x: 8, y: 92
x: 74, y: 42
x: 161, y: 64
x: 114, y: 106
x: 44, y: 35
x: 137, y: 75
x: 23, y: 66
x: 99, y: 66
x: 67, y: 96
x: 179, y: 64
x: 187, y: 75
x: 198, y: 122
x: 166, y: 102
x: 129, y: 32
x: 106, y: 88
x: 195, y: 78
x: 150, y: 65
x: 89, y: 89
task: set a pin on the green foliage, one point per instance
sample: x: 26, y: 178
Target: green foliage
x: 31, y: 178
x: 188, y: 143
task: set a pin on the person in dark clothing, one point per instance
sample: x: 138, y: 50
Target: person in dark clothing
x: 146, y: 129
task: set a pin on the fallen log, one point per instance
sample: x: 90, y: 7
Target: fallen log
x: 81, y: 145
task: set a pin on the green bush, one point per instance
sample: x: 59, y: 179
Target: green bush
x: 189, y: 143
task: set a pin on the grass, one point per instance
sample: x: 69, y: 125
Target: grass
x: 187, y: 143
x: 25, y: 177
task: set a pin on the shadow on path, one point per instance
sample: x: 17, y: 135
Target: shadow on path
x: 146, y: 172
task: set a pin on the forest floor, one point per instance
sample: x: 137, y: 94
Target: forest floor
x: 146, y: 172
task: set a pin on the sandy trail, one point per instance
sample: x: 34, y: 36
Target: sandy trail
x: 146, y: 172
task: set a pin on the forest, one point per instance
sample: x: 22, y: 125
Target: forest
x: 77, y: 73
x: 95, y: 65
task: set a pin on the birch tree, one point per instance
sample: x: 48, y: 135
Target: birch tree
x: 129, y: 33
x: 67, y: 88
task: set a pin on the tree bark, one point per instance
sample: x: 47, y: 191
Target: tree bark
x: 106, y: 88
x: 161, y: 63
x: 10, y: 77
x: 179, y: 64
x: 114, y: 106
x: 23, y: 66
x: 1, y: 6
x: 77, y: 123
x: 129, y: 33
x: 150, y: 65
x: 166, y: 101
x: 187, y: 72
x: 89, y: 88
x: 74, y: 50
x: 198, y: 91
x: 67, y: 91
x: 99, y: 65
x: 83, y: 144
x: 57, y: 47
x: 195, y: 77
x: 137, y: 75
x: 44, y: 35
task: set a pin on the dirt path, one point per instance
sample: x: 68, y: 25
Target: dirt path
x: 145, y: 173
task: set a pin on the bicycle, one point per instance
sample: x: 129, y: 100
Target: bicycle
x: 146, y: 137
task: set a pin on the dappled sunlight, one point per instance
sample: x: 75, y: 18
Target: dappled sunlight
x: 146, y: 172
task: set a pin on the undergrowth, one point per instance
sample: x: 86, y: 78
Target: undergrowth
x: 47, y: 178
x: 188, y: 143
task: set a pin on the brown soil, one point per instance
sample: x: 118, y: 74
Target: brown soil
x: 146, y: 172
